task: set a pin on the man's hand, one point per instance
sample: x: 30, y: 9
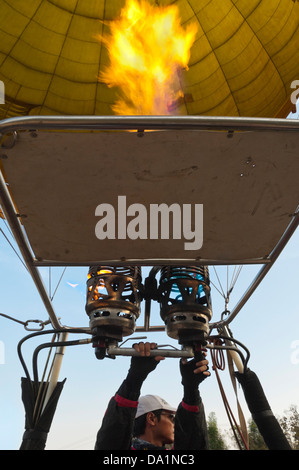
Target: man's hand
x: 193, y: 373
x: 143, y: 363
x: 144, y: 350
x: 201, y: 366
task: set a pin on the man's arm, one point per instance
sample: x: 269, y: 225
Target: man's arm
x: 190, y: 424
x: 117, y: 426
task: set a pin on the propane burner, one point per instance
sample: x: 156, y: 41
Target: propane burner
x: 113, y: 303
x: 185, y: 304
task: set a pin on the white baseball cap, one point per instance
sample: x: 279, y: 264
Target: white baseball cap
x: 149, y: 403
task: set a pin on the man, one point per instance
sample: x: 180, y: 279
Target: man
x: 156, y: 423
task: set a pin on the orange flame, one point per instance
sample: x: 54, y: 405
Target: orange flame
x: 101, y: 283
x: 147, y: 49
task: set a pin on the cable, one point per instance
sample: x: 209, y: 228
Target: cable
x: 22, y: 261
x: 229, y: 287
x: 39, y: 390
x: 58, y: 283
x: 32, y: 335
x: 223, y: 294
x: 233, y: 340
x: 15, y: 251
x: 229, y: 348
x: 51, y: 345
x: 11, y: 318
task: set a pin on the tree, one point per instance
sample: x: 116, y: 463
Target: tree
x: 290, y: 425
x: 216, y: 440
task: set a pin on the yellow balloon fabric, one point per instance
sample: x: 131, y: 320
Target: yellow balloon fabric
x: 243, y: 61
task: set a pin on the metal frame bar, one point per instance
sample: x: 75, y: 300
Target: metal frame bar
x: 153, y: 262
x: 139, y: 124
x: 142, y: 123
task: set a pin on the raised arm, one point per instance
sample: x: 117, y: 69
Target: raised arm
x: 117, y: 425
x: 190, y: 424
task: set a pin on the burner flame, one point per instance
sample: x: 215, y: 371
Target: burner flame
x: 148, y: 50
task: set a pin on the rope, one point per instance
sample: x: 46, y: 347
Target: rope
x: 23, y: 263
x: 15, y: 251
x: 218, y: 363
x: 60, y: 279
x: 229, y: 286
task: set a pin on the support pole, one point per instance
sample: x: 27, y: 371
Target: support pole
x: 57, y: 361
x: 233, y: 354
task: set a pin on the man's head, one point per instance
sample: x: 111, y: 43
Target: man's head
x: 154, y: 420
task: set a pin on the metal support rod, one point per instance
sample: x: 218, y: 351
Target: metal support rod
x: 147, y: 327
x: 141, y: 123
x: 57, y: 361
x: 153, y: 262
x: 186, y: 352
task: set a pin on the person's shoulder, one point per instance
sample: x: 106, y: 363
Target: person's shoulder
x: 140, y: 444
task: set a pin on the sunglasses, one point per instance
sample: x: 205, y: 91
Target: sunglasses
x: 169, y: 416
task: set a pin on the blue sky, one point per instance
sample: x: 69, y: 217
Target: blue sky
x: 267, y: 325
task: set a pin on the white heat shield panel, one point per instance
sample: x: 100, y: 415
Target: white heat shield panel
x: 242, y: 186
